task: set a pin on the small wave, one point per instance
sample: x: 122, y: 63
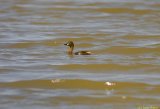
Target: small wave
x: 76, y: 83
x: 128, y: 50
x: 104, y: 67
x: 124, y: 10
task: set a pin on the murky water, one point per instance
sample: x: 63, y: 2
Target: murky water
x: 122, y: 73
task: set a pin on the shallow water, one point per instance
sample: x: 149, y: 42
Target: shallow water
x: 122, y: 73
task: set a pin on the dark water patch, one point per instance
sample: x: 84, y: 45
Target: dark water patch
x: 31, y: 44
x: 128, y: 50
x: 125, y: 10
x: 104, y: 67
x: 96, y: 101
x: 141, y: 37
x: 23, y: 45
x: 75, y: 37
x: 7, y: 70
x: 77, y: 84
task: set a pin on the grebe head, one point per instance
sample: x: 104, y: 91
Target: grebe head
x: 70, y: 44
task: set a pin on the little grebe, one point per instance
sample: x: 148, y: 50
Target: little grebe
x: 71, y: 47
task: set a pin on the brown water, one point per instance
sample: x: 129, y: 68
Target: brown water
x: 122, y: 73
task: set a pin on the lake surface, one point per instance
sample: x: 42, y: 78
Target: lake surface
x: 37, y: 73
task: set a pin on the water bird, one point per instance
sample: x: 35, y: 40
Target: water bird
x: 71, y: 48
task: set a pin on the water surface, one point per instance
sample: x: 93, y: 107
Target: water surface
x: 36, y: 72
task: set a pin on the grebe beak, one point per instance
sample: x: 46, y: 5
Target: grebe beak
x: 66, y: 44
